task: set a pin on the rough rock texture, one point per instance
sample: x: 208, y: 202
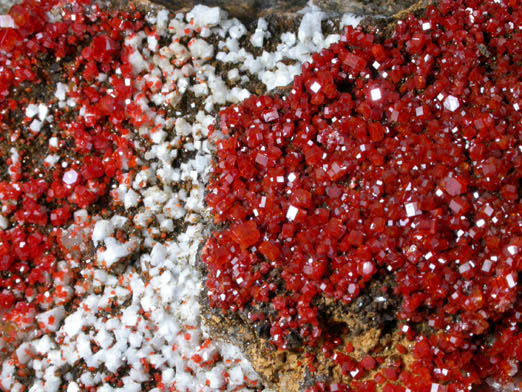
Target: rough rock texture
x: 365, y: 7
x: 245, y: 9
x: 367, y: 323
x: 251, y: 9
x: 6, y: 4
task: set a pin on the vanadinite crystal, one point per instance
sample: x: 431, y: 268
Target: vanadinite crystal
x: 399, y: 156
x: 37, y: 196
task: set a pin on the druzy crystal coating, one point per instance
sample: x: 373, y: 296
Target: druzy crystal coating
x: 406, y: 160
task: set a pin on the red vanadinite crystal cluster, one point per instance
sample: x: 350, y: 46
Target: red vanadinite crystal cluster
x: 400, y: 156
x: 93, y: 146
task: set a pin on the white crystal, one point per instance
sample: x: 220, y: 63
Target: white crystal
x: 488, y: 210
x: 36, y: 126
x: 31, y: 110
x: 464, y: 268
x: 426, y: 26
x: 486, y: 267
x: 512, y: 249
x: 43, y: 110
x: 367, y: 268
x: 375, y: 94
x: 412, y: 209
x: 70, y: 177
x: 315, y: 87
x: 451, y: 103
x: 6, y: 21
x: 291, y: 213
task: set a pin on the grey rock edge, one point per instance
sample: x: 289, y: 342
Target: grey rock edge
x: 5, y: 5
x: 252, y: 9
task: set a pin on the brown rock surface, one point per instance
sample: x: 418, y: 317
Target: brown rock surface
x: 245, y: 9
x: 365, y: 7
x: 367, y: 323
x: 251, y: 9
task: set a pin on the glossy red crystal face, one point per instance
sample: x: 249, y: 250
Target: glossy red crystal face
x: 399, y: 157
x: 38, y: 200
